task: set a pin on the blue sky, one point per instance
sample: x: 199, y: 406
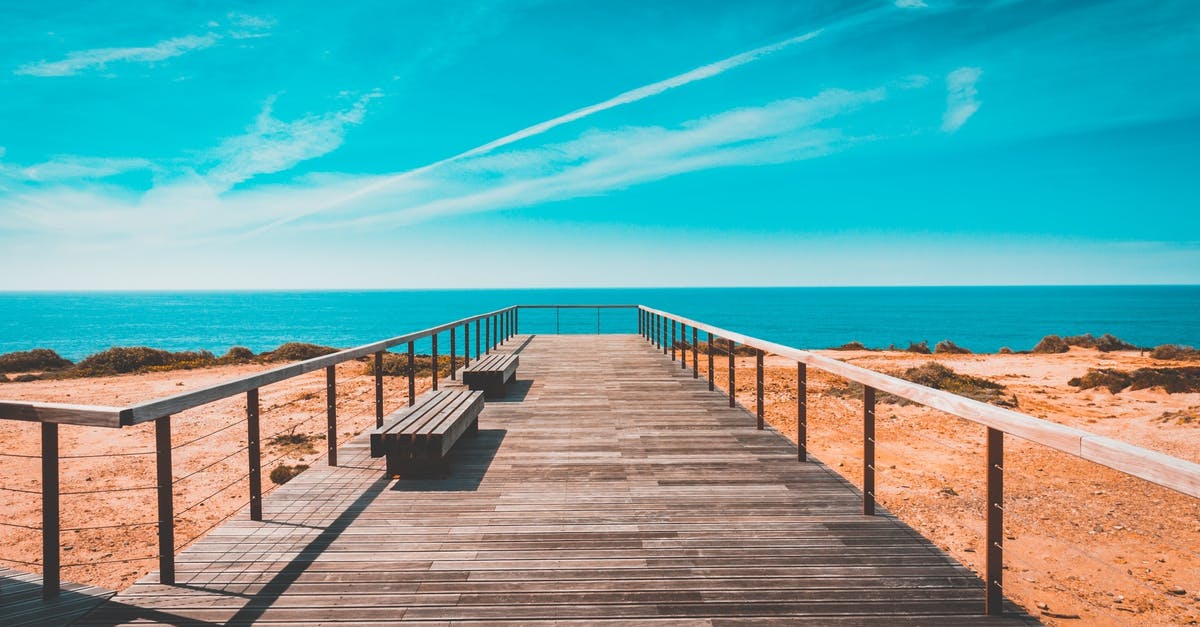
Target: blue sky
x: 420, y: 144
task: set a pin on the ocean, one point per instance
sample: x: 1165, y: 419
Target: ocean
x: 980, y: 318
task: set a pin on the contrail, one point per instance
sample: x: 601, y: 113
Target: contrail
x: 631, y: 96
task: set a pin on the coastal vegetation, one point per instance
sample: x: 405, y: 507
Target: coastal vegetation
x: 38, y: 359
x: 284, y: 473
x: 946, y: 347
x: 1175, y: 352
x: 1171, y: 380
x: 396, y: 365
x: 43, y: 363
x: 939, y: 377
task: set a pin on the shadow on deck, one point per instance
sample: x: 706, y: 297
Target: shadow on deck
x: 618, y: 488
x: 21, y: 600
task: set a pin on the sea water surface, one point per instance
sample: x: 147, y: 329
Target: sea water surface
x: 980, y: 318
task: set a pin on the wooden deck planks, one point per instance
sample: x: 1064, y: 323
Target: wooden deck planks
x: 617, y: 488
x: 21, y: 600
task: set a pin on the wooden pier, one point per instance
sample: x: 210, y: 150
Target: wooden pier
x: 609, y: 486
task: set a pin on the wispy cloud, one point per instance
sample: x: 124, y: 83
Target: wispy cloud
x: 634, y: 95
x: 960, y: 97
x: 273, y: 145
x: 602, y: 161
x: 78, y: 61
x: 70, y: 167
x: 199, y: 209
x: 241, y: 27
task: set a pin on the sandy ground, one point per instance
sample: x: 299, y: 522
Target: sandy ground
x: 1082, y: 540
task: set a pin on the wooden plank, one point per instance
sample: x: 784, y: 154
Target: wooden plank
x: 67, y: 414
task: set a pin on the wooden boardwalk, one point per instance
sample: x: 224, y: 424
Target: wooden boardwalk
x: 610, y: 485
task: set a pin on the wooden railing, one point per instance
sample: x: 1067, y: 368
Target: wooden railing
x: 491, y: 329
x: 660, y: 328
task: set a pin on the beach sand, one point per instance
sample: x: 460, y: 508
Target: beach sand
x: 1082, y: 540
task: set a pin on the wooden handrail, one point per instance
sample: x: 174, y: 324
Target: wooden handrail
x: 1157, y: 468
x: 147, y: 411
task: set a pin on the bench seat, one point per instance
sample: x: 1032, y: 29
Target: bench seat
x: 417, y: 439
x: 491, y: 373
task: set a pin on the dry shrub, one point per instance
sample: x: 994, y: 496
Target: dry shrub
x: 1175, y: 352
x: 949, y: 348
x: 1171, y: 380
x: 920, y: 348
x: 1051, y: 344
x: 297, y: 351
x: 283, y: 473
x: 38, y: 359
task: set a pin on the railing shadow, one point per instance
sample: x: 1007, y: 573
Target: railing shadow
x: 113, y: 613
x: 21, y: 602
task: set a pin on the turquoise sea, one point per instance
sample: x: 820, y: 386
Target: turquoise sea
x: 980, y: 318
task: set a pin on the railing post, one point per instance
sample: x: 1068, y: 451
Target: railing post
x: 254, y: 453
x: 868, y: 451
x: 453, y: 357
x: 672, y: 340
x: 664, y: 335
x: 331, y: 413
x: 758, y: 393
x: 50, y: 519
x: 683, y: 347
x: 433, y: 361
x: 379, y: 389
x: 639, y: 319
x: 466, y: 345
x: 695, y: 354
x: 732, y: 375
x: 412, y: 373
x: 994, y: 601
x: 711, y: 382
x: 478, y: 343
x: 801, y: 411
x: 166, y: 501
x: 487, y: 335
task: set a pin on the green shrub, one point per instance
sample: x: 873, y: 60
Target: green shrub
x: 1004, y: 350
x: 1175, y: 352
x: 940, y: 377
x: 3, y: 378
x: 283, y: 473
x: 950, y: 348
x: 851, y: 346
x: 921, y: 348
x: 39, y: 359
x: 26, y: 378
x: 1172, y: 380
x: 1051, y: 344
x: 297, y: 351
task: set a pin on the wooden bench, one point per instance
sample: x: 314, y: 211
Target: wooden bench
x: 491, y: 373
x: 416, y: 439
